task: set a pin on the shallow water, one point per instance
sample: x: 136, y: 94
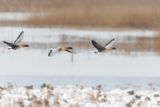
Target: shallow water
x: 106, y: 82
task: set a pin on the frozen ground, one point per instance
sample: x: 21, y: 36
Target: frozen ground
x: 76, y: 96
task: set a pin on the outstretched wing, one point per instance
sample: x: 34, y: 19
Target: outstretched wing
x: 9, y: 44
x: 70, y: 51
x: 68, y: 47
x: 19, y: 38
x: 52, y: 52
x: 97, y: 46
x: 109, y: 44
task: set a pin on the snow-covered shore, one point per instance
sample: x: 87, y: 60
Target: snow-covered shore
x: 76, y: 96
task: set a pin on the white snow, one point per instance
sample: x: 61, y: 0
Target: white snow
x: 76, y: 96
x: 14, y: 16
x: 37, y: 62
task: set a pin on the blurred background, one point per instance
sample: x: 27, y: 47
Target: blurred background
x: 115, y: 16
x: 48, y: 24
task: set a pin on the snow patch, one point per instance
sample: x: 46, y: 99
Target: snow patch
x: 14, y: 16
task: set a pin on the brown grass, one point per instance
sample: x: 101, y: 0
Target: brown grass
x: 88, y: 13
x: 157, y: 44
x: 137, y: 17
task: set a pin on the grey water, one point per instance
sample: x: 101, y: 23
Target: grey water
x: 91, y: 81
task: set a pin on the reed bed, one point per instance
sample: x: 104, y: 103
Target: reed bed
x: 88, y: 13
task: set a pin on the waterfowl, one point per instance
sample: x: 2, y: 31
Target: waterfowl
x: 15, y: 45
x: 101, y: 48
x: 56, y: 50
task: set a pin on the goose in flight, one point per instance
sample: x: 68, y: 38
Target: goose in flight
x: 52, y: 52
x: 15, y: 45
x: 101, y: 48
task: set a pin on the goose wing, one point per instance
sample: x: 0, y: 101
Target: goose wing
x: 97, y: 46
x: 52, y: 52
x: 68, y: 48
x: 70, y: 51
x: 19, y: 38
x: 9, y: 44
x: 110, y: 43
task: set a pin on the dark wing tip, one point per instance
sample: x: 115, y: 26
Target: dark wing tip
x: 69, y: 47
x: 93, y: 41
x: 49, y: 54
x: 112, y: 39
x: 69, y: 51
x: 21, y: 32
x: 4, y: 42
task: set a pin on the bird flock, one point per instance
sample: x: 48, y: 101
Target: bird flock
x: 17, y: 44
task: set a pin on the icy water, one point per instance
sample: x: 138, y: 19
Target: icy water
x: 106, y: 82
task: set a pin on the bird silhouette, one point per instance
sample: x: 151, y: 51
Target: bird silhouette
x: 16, y: 44
x: 101, y: 48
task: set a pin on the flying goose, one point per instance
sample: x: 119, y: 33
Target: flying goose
x: 15, y: 45
x: 56, y: 50
x: 101, y: 48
